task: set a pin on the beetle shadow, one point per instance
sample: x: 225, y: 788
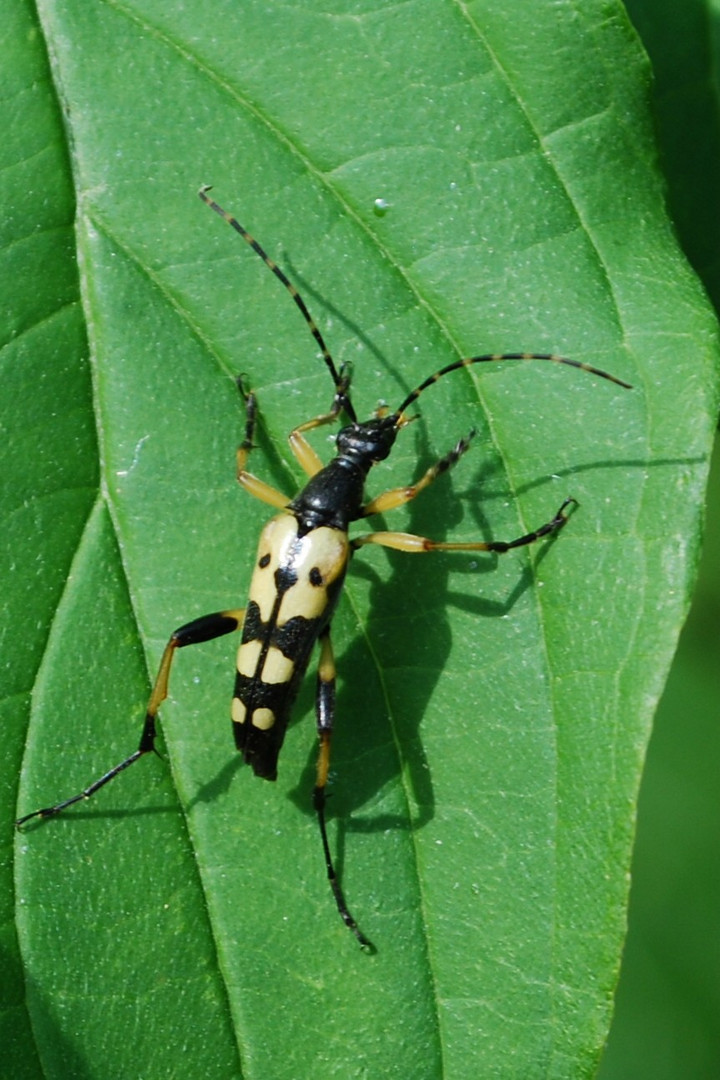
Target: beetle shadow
x: 356, y: 331
x: 386, y: 743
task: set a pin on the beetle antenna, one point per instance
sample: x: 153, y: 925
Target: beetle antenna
x: 340, y: 381
x: 493, y: 358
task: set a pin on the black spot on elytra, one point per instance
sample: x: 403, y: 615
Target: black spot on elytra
x: 285, y: 578
x: 264, y: 561
x: 253, y: 625
x: 316, y: 577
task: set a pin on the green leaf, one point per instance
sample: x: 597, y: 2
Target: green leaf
x: 492, y: 713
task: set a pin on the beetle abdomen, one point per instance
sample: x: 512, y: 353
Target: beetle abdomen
x: 293, y: 594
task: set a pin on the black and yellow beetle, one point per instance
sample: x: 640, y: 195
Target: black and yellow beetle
x: 302, y: 559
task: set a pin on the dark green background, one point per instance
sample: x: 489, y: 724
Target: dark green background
x: 667, y: 1019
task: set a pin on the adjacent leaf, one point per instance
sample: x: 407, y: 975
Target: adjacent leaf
x: 683, y: 44
x: 667, y: 966
x: 493, y: 713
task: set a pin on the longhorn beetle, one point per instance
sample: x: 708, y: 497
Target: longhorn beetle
x: 301, y: 563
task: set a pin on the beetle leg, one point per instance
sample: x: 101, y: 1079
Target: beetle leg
x: 205, y: 628
x: 413, y: 544
x: 390, y: 500
x: 252, y: 484
x: 311, y: 462
x: 325, y: 712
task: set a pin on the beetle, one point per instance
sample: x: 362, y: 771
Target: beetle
x: 302, y: 559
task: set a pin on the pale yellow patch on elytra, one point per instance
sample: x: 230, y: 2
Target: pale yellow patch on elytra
x: 277, y: 668
x: 263, y: 719
x: 321, y: 556
x: 248, y: 656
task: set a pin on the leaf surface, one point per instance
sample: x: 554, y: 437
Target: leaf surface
x: 492, y: 712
